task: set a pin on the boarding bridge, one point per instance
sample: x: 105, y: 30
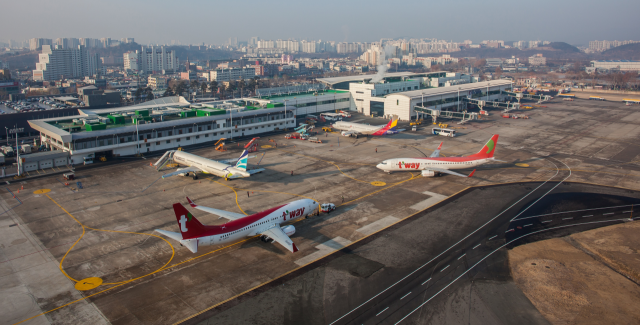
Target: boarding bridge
x: 435, y: 113
x: 519, y: 96
x: 164, y: 160
x: 483, y: 104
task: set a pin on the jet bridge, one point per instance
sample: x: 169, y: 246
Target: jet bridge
x: 483, y: 104
x: 519, y: 96
x: 436, y: 113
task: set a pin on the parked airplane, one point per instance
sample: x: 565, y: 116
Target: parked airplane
x: 442, y: 165
x: 350, y: 128
x: 196, y: 164
x: 266, y: 223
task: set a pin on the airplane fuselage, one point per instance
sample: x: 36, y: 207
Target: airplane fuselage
x: 208, y: 166
x: 255, y: 224
x: 418, y: 164
x: 361, y: 128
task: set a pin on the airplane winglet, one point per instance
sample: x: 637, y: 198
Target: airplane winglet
x: 193, y: 205
x: 473, y: 172
x: 295, y: 248
x: 440, y: 146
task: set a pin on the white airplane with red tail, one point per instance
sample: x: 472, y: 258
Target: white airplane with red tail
x: 433, y: 164
x: 266, y: 223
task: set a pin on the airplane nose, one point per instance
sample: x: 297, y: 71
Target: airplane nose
x: 379, y: 166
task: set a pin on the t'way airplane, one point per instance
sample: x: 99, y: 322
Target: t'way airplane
x: 436, y: 164
x: 266, y: 223
x: 350, y: 128
x: 196, y: 164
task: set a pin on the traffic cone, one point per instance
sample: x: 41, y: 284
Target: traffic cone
x: 150, y: 164
x: 18, y: 191
x: 22, y: 187
x: 162, y: 190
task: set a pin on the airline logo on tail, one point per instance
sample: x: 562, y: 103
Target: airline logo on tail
x: 190, y: 227
x: 242, y: 161
x: 390, y: 128
x: 488, y: 149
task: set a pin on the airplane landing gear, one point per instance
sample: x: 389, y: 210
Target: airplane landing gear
x: 195, y: 176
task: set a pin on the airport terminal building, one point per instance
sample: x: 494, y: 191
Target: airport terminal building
x: 399, y: 93
x: 171, y: 122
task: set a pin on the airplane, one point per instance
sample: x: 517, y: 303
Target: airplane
x: 442, y: 165
x: 349, y: 128
x: 222, y: 168
x: 266, y: 224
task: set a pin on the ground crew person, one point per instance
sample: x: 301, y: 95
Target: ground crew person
x: 247, y: 193
x: 342, y: 198
x: 376, y: 150
x: 292, y: 173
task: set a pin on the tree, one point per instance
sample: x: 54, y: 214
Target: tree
x: 138, y: 93
x: 194, y: 84
x: 179, y: 88
x: 167, y: 92
x: 480, y: 63
x: 498, y: 72
x: 241, y: 85
x: 149, y: 94
x: 203, y: 87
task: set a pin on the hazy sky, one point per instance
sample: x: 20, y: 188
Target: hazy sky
x: 197, y: 21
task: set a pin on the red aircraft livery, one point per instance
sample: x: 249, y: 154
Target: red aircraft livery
x: 266, y: 223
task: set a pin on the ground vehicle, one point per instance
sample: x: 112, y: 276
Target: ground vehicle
x: 326, y: 129
x: 315, y: 140
x: 418, y: 122
x: 414, y: 128
x: 443, y: 131
x: 69, y: 176
x: 88, y: 160
x: 304, y: 137
x: 568, y: 98
x: 327, y: 207
x: 26, y: 148
x: 8, y: 151
x: 596, y: 98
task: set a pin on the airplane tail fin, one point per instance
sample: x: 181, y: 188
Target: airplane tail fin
x: 488, y: 149
x: 242, y: 161
x: 190, y: 227
x: 391, y: 126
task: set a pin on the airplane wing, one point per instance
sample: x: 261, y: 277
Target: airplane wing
x: 347, y: 133
x: 446, y: 171
x: 219, y: 213
x: 232, y: 161
x: 182, y: 171
x: 255, y: 171
x: 278, y: 235
x: 436, y: 153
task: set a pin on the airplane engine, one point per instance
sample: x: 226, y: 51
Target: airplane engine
x: 289, y: 230
x: 428, y: 173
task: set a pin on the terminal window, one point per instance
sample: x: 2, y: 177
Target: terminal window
x: 168, y: 141
x: 188, y: 138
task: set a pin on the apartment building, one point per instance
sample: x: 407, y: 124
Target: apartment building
x: 220, y: 75
x: 57, y: 63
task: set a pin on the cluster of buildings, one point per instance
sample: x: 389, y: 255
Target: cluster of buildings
x: 35, y: 44
x: 599, y: 46
x: 172, y: 122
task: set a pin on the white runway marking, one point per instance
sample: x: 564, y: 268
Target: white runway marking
x: 434, y: 198
x: 324, y: 249
x: 377, y: 225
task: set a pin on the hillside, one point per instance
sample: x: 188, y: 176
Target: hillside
x: 624, y: 52
x: 562, y: 46
x: 556, y: 50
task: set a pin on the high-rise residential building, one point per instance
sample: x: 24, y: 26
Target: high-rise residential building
x: 57, y: 63
x: 253, y: 42
x: 126, y: 40
x: 150, y: 60
x: 37, y: 43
